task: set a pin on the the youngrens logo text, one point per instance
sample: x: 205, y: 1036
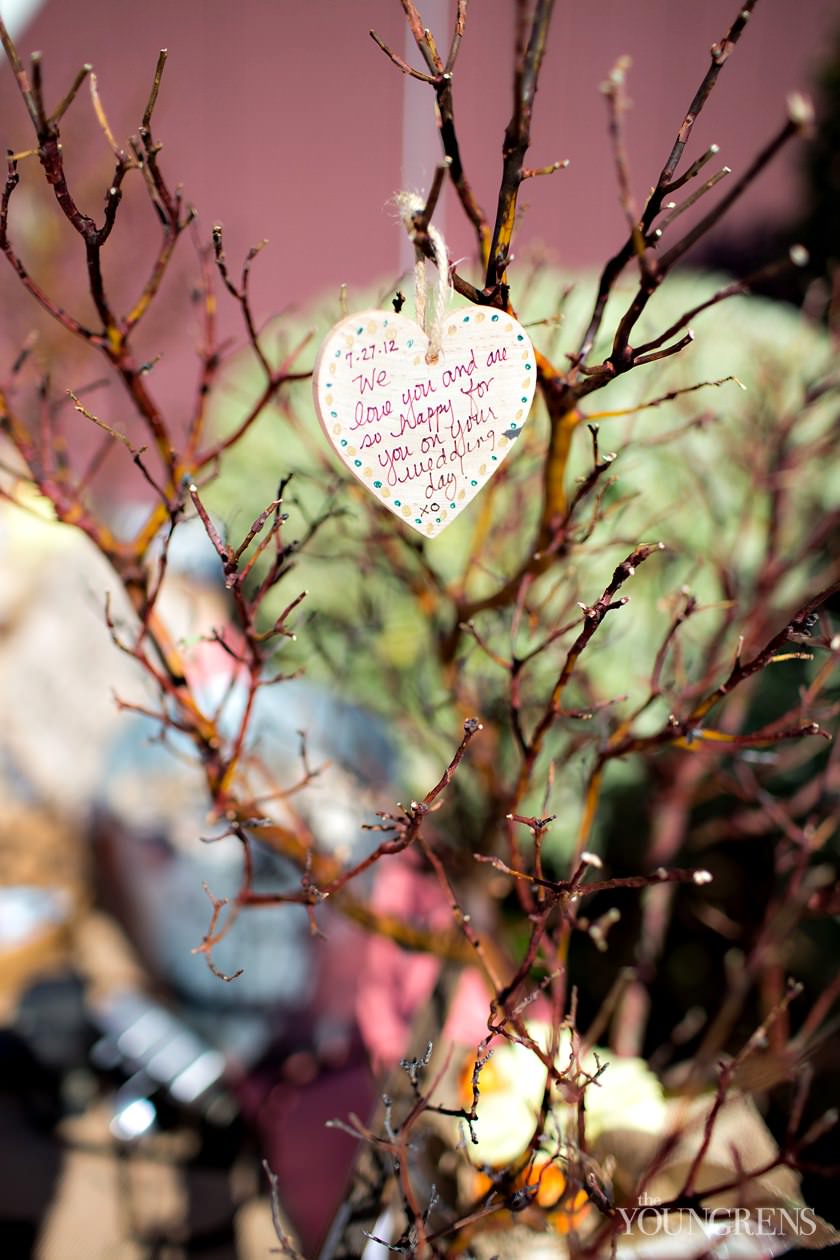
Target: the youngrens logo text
x: 649, y: 1218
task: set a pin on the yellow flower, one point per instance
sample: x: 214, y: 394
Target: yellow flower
x: 625, y: 1095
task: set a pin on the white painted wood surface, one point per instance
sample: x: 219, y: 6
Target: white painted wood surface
x: 424, y: 437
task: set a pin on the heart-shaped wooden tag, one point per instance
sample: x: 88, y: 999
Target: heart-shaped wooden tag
x: 424, y: 437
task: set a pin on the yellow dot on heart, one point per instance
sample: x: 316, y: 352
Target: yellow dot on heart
x: 526, y: 354
x: 371, y: 327
x: 351, y: 450
x: 462, y: 494
x: 336, y: 428
x: 368, y: 472
x: 406, y: 510
x: 482, y: 470
x: 451, y: 330
x: 503, y: 441
x: 384, y: 493
x: 509, y: 328
x: 526, y: 384
x: 417, y: 360
x: 332, y: 367
x: 480, y: 317
x: 518, y: 415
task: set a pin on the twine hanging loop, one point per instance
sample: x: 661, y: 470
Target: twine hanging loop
x: 430, y: 315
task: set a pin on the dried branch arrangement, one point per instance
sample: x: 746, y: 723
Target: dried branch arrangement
x: 590, y: 771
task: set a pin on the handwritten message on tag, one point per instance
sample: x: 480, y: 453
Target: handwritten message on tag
x: 425, y: 437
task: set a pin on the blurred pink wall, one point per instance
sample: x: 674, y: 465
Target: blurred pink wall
x: 283, y: 120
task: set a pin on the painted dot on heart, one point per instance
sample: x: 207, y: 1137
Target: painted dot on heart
x: 357, y: 462
x: 336, y: 429
x: 377, y: 485
x: 452, y: 505
x: 397, y: 503
x: 343, y: 440
x: 473, y: 483
x: 368, y: 472
x: 494, y: 318
x: 519, y: 414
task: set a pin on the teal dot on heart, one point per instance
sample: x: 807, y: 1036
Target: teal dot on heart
x: 494, y: 458
x: 528, y: 367
x: 338, y: 354
x: 378, y: 485
x: 452, y: 505
x: 473, y: 483
x: 357, y: 462
x: 397, y: 503
x: 344, y: 441
x: 333, y: 414
x: 437, y: 520
x: 466, y: 319
x: 359, y: 331
x: 519, y: 337
x: 524, y: 399
x: 417, y: 521
x: 512, y: 425
x: 411, y: 343
x: 494, y: 319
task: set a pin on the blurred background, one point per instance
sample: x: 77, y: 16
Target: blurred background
x: 280, y: 120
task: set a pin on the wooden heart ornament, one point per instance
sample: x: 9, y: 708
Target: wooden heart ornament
x: 425, y: 437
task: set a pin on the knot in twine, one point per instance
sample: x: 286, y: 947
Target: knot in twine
x: 429, y: 316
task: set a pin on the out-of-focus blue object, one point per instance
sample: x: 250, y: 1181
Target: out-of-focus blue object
x: 26, y: 910
x: 153, y: 810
